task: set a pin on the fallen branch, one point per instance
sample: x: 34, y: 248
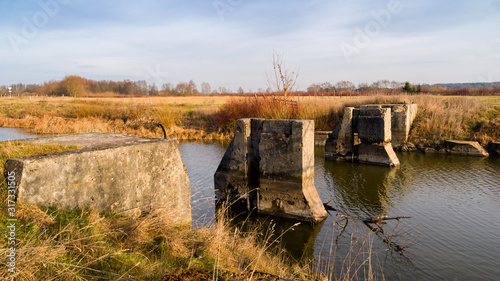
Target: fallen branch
x: 382, y: 218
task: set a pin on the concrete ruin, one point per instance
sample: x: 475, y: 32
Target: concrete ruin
x: 112, y: 172
x: 402, y: 117
x: 368, y: 134
x: 320, y: 138
x: 466, y: 148
x: 269, y: 167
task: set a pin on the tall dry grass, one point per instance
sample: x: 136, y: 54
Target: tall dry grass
x: 85, y: 245
x: 462, y: 118
x: 55, y: 244
x: 439, y: 117
x: 66, y: 116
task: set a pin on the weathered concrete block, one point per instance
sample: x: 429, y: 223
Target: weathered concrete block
x: 112, y: 172
x: 378, y: 154
x: 341, y: 141
x: 471, y: 148
x: 232, y: 176
x: 402, y: 116
x: 495, y: 149
x: 279, y: 178
x: 287, y: 170
x: 320, y: 137
x: 374, y: 125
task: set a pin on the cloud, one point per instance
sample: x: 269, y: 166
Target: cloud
x: 189, y: 40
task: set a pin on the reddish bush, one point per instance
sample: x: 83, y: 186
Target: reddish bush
x: 261, y: 107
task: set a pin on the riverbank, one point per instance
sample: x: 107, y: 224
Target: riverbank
x: 213, y: 118
x: 84, y: 243
x: 53, y: 244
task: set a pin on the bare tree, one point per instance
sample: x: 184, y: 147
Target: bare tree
x: 167, y: 87
x: 205, y: 88
x: 345, y: 86
x: 281, y: 80
x: 385, y: 83
x: 314, y: 88
x: 192, y: 88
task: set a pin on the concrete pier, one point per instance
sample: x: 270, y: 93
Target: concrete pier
x: 112, y: 172
x: 365, y: 135
x: 374, y: 131
x: 402, y: 117
x: 269, y: 166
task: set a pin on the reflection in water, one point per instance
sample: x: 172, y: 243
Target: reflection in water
x: 13, y: 134
x: 453, y: 202
x: 201, y: 161
x: 362, y: 190
x: 356, y: 189
x: 298, y: 238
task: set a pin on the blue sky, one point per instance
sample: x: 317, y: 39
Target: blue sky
x: 228, y: 42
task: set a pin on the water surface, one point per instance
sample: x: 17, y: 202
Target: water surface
x: 453, y: 202
x: 13, y: 134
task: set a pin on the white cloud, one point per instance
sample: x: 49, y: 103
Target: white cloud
x: 427, y: 42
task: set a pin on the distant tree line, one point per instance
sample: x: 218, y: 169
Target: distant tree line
x: 76, y: 86
x: 406, y: 87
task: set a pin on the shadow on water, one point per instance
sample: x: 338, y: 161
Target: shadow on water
x: 298, y: 238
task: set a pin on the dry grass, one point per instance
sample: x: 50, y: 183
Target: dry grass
x: 134, y: 116
x: 214, y: 118
x: 85, y: 245
x: 55, y: 244
x: 439, y: 117
x: 461, y: 118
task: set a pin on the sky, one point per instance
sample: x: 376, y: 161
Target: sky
x: 228, y: 43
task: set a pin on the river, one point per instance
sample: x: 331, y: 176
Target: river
x: 13, y: 134
x: 453, y: 202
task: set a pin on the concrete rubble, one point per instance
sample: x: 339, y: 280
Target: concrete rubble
x: 112, y: 172
x: 468, y: 148
x: 402, y: 117
x: 269, y: 167
x: 320, y: 137
x: 368, y: 134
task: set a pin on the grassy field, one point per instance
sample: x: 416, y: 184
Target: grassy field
x: 213, y: 117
